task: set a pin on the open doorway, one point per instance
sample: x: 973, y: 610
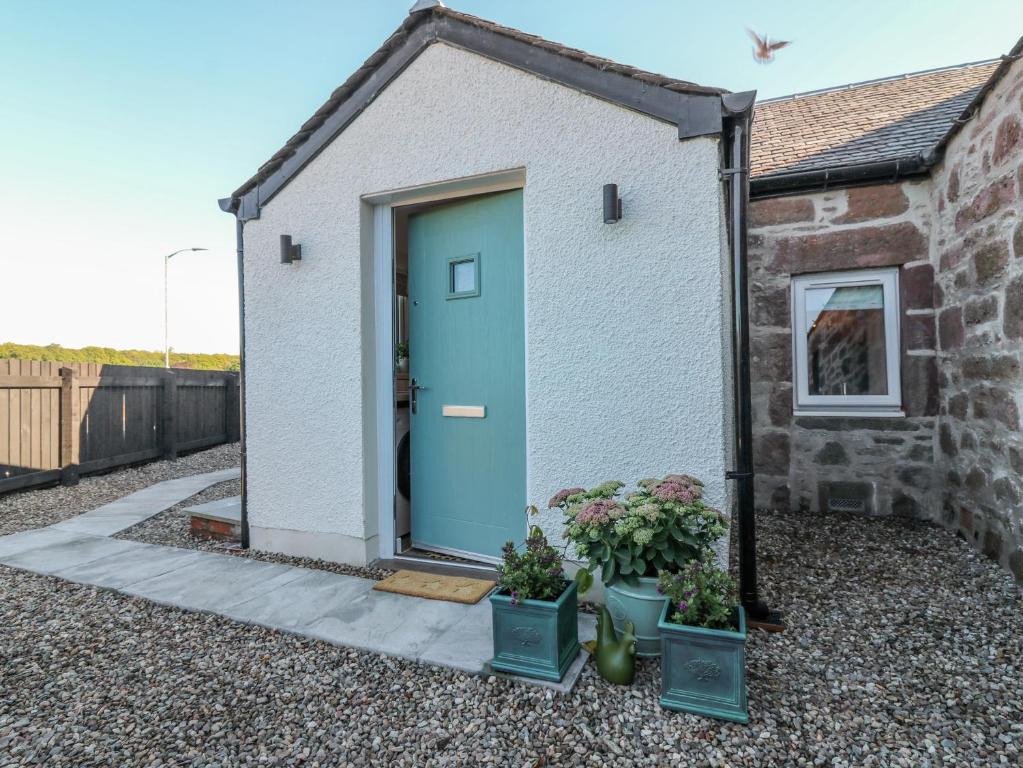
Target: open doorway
x: 459, y: 378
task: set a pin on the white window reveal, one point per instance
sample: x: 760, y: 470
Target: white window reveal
x: 845, y: 331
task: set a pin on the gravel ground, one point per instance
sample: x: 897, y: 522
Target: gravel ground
x: 24, y: 510
x: 171, y: 528
x: 903, y: 649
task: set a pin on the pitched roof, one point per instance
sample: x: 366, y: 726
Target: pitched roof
x: 867, y: 122
x: 369, y: 74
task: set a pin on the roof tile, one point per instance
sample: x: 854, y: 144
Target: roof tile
x: 865, y: 122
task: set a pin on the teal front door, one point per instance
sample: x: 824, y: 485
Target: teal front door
x: 467, y: 368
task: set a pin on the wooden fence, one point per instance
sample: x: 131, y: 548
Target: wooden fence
x: 61, y: 420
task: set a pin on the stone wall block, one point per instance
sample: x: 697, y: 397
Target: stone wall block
x: 959, y: 405
x: 920, y: 386
x: 980, y: 310
x: 995, y: 403
x: 780, y: 210
x: 1008, y: 140
x: 1012, y: 317
x: 855, y: 247
x: 988, y: 201
x: 769, y: 305
x: 951, y: 332
x: 916, y: 286
x: 918, y: 332
x: 771, y: 355
x: 990, y: 261
x: 946, y: 440
x: 780, y: 405
x: 872, y: 203
x: 771, y: 451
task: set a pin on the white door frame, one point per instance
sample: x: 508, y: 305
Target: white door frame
x: 384, y: 204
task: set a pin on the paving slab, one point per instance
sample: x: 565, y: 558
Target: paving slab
x: 383, y: 622
x: 214, y: 582
x: 60, y: 555
x: 15, y: 543
x: 299, y: 603
x: 138, y: 507
x: 123, y: 569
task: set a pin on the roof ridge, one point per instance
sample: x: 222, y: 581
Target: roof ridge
x: 656, y: 78
x: 877, y: 80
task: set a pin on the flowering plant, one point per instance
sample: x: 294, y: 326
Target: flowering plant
x: 661, y: 526
x: 533, y: 574
x: 701, y: 595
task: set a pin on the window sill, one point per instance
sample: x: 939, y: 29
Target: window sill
x: 873, y: 413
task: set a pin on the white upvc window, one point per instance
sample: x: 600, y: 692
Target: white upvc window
x: 845, y: 338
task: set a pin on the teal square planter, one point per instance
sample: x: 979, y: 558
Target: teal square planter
x: 536, y: 638
x: 703, y: 671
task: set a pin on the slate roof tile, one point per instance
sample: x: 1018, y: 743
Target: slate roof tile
x: 865, y: 122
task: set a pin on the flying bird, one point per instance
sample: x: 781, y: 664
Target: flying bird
x: 763, y: 48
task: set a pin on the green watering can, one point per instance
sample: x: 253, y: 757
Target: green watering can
x: 616, y: 659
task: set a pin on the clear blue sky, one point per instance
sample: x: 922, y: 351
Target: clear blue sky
x: 121, y: 123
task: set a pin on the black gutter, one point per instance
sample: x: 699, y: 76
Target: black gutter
x: 820, y: 179
x: 230, y: 205
x: 738, y: 114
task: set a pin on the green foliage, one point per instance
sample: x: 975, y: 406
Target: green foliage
x: 702, y: 595
x: 584, y: 580
x: 108, y: 356
x: 661, y: 527
x: 534, y: 574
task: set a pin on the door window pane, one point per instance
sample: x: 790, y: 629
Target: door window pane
x: 463, y: 276
x: 846, y: 349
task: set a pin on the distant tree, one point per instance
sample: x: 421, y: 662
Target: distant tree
x: 109, y: 356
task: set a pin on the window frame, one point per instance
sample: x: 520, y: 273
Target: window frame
x: 469, y: 258
x: 843, y: 405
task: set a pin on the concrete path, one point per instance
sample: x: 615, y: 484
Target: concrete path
x: 122, y: 514
x: 339, y: 609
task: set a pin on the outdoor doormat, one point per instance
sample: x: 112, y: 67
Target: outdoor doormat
x: 456, y: 589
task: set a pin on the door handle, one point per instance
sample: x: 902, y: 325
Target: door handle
x: 413, y: 388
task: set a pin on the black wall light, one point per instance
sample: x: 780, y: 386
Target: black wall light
x: 612, y: 204
x: 289, y: 252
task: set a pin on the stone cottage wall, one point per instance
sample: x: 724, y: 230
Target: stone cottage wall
x: 799, y: 461
x: 978, y: 245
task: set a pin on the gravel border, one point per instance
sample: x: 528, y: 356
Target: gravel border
x: 24, y: 510
x: 903, y: 649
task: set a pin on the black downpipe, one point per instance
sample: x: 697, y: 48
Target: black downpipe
x: 240, y: 238
x: 738, y: 121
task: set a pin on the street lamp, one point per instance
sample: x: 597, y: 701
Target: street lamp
x: 166, y: 262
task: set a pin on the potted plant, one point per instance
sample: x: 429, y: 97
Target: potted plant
x: 401, y: 357
x: 632, y: 538
x: 703, y: 641
x: 535, y: 611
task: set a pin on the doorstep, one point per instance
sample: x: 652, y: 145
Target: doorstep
x: 220, y: 520
x: 435, y: 567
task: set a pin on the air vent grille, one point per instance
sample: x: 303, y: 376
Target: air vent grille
x: 839, y: 504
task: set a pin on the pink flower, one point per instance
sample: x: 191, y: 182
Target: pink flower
x: 677, y: 489
x: 596, y: 512
x: 559, y: 498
